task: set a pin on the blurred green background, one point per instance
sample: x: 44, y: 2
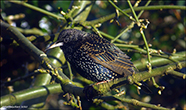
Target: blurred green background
x: 166, y: 32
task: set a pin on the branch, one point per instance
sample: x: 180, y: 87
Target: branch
x: 43, y: 79
x: 34, y: 31
x: 160, y: 60
x: 70, y: 87
x: 108, y: 17
x: 132, y: 101
x: 38, y: 9
x: 40, y: 56
x: 31, y: 93
x: 102, y: 88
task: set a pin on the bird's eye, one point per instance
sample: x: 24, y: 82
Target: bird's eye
x: 66, y: 40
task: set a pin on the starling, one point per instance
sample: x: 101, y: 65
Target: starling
x: 93, y: 57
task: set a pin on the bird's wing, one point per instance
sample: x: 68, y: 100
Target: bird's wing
x: 117, y: 62
x: 111, y: 57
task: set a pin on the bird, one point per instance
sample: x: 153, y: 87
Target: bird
x: 93, y: 57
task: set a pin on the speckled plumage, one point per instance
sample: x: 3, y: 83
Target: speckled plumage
x: 93, y: 57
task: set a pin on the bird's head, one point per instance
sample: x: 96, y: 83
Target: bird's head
x: 69, y: 38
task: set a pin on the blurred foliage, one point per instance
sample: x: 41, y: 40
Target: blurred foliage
x: 166, y: 31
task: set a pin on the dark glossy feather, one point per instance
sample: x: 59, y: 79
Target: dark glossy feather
x: 109, y: 56
x: 93, y: 57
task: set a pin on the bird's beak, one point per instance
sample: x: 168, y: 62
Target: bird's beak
x: 54, y: 45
